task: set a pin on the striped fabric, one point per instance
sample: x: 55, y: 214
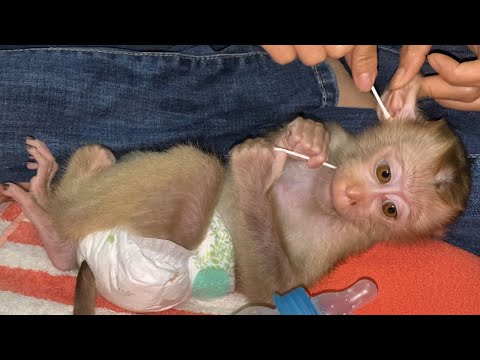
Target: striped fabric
x: 29, y: 284
x: 426, y: 278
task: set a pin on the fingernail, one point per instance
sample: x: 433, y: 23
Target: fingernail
x: 5, y: 186
x: 31, y: 137
x: 431, y: 60
x: 365, y: 81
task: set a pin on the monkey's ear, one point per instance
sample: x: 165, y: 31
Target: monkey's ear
x: 402, y: 103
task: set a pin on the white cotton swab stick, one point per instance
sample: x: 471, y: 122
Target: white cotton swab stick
x: 301, y: 156
x: 385, y: 113
x: 380, y: 102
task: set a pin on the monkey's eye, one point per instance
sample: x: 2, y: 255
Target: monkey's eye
x: 383, y: 172
x: 389, y: 209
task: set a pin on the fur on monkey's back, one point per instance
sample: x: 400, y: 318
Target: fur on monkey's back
x: 143, y: 190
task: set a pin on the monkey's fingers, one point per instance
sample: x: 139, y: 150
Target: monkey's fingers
x: 39, y: 184
x: 32, y: 165
x: 47, y: 166
x: 303, y: 137
x: 294, y: 133
x: 41, y: 147
x: 4, y: 198
x: 24, y: 185
x: 23, y: 198
x: 313, y: 140
x: 320, y: 149
x: 60, y: 252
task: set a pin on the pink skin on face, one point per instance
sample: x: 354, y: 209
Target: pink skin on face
x: 358, y: 193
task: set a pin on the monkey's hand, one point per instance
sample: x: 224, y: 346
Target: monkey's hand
x: 306, y: 137
x: 252, y: 163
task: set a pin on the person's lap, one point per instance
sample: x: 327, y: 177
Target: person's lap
x: 131, y: 100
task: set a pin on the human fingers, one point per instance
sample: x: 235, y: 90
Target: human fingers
x: 412, y: 57
x: 460, y: 74
x: 437, y: 88
x: 281, y: 54
x: 363, y: 63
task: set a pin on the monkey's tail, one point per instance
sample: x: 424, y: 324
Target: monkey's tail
x: 85, y: 291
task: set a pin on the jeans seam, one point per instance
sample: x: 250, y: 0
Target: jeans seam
x: 388, y: 48
x: 323, y: 83
x: 149, y: 53
x: 322, y: 87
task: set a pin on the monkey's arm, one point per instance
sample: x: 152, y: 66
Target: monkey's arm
x: 341, y: 143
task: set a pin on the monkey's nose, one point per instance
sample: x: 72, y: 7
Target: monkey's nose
x: 354, y: 193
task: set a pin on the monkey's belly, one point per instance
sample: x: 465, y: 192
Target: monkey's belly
x: 145, y: 274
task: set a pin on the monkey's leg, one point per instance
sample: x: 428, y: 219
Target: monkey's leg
x: 85, y: 162
x: 261, y: 264
x: 34, y: 203
x: 168, y: 195
x: 179, y: 200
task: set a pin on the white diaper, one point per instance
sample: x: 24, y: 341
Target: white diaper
x: 145, y: 275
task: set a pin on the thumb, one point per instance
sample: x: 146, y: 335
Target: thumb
x: 363, y: 62
x: 412, y: 57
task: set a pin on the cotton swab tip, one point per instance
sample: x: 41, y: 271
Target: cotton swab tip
x: 380, y: 102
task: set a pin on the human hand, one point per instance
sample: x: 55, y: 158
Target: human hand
x: 456, y: 86
x: 362, y: 59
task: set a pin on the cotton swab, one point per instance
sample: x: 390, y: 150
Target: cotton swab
x: 385, y: 113
x: 301, y: 156
x: 380, y: 102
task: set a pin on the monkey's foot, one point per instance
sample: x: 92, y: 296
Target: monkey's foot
x: 62, y: 253
x: 34, y: 202
x: 46, y: 167
x: 252, y: 164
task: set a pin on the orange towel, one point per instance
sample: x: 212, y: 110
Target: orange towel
x: 426, y: 278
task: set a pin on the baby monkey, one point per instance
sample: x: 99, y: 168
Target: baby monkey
x: 290, y: 220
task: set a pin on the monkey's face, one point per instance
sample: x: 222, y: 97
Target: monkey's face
x: 372, y: 189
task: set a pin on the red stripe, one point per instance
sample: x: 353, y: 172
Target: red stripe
x: 11, y: 212
x: 25, y: 233
x: 42, y: 285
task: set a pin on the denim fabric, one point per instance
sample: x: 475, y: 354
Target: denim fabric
x: 213, y: 96
x: 127, y: 100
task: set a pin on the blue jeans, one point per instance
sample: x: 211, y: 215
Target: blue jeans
x: 128, y: 100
